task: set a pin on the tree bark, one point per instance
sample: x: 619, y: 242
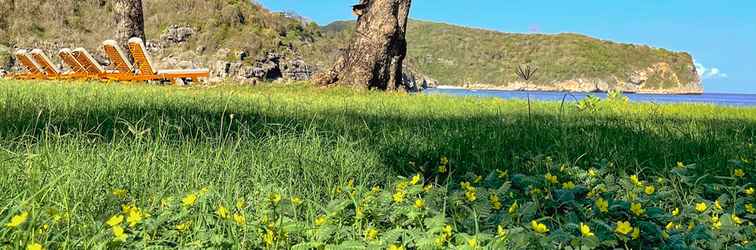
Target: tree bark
x: 129, y: 18
x: 377, y: 50
x: 5, y: 23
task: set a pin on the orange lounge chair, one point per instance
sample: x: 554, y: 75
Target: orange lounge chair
x: 91, y: 66
x: 146, y: 69
x: 66, y: 55
x: 34, y: 71
x: 46, y: 65
x: 124, y: 71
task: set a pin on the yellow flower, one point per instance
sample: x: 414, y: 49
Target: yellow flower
x: 634, y: 179
x: 320, y: 220
x: 441, y: 169
x: 189, y: 200
x: 636, y: 233
x: 120, y: 193
x: 118, y: 233
x: 371, y: 234
x: 416, y: 179
x: 269, y: 238
x: 115, y: 220
x: 222, y: 212
x: 716, y: 223
x: 568, y: 185
x: 399, y: 196
x: 539, y: 227
x: 466, y: 186
x: 736, y: 219
x: 535, y: 191
x: 701, y: 207
x: 34, y: 246
x: 134, y: 217
x: 680, y: 165
x: 240, y: 204
x: 495, y: 201
x: 501, y: 232
x: 649, y: 190
x: 183, y: 226
x: 447, y: 231
x: 472, y: 243
x: 419, y: 203
x: 427, y: 188
x: 749, y: 208
x: 359, y: 212
x: 513, y: 208
x: 275, y: 198
x: 17, y: 220
x: 551, y: 178
x: 592, y: 172
x: 602, y: 205
x: 676, y: 212
x: 126, y: 208
x: 749, y: 191
x: 637, y: 209
x: 395, y: 247
x: 718, y: 206
x: 375, y: 189
x: 470, y: 195
x: 444, y: 160
x: 296, y: 200
x: 670, y: 226
x: 585, y: 230
x: 240, y: 219
x: 739, y: 173
x: 623, y: 227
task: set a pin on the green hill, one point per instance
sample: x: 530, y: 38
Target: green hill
x: 456, y: 55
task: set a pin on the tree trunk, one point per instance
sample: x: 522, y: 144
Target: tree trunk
x: 129, y: 19
x: 376, y: 52
x: 5, y: 23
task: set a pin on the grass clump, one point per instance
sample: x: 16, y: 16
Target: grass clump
x: 300, y: 161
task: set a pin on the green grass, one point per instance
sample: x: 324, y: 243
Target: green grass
x: 66, y: 145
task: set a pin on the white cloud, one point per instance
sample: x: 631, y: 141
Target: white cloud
x: 709, y: 73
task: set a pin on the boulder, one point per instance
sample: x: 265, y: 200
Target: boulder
x: 176, y: 34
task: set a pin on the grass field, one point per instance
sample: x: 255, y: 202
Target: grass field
x: 65, y: 147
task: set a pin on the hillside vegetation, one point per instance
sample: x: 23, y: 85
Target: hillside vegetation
x: 88, y: 165
x: 456, y: 55
x: 234, y: 24
x: 452, y: 55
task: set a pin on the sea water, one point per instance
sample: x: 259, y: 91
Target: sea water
x: 706, y: 98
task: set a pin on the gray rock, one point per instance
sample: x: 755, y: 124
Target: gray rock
x: 185, y: 65
x: 177, y: 34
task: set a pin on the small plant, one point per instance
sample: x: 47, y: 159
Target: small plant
x: 589, y: 104
x: 616, y: 96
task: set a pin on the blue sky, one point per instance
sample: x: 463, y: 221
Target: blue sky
x: 721, y: 35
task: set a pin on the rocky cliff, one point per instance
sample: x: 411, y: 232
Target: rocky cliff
x: 243, y: 42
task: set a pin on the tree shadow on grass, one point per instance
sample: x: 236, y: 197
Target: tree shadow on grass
x: 414, y: 143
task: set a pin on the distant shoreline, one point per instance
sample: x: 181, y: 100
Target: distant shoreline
x: 645, y: 92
